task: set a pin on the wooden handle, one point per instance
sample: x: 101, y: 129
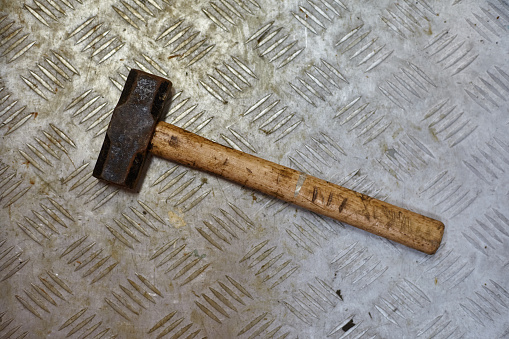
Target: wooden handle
x: 375, y: 216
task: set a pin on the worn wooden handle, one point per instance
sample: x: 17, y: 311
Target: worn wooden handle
x: 317, y: 195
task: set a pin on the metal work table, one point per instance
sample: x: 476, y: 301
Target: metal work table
x: 405, y: 101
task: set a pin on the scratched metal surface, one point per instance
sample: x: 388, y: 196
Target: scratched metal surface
x: 405, y: 101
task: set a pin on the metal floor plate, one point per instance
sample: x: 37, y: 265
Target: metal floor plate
x: 405, y: 100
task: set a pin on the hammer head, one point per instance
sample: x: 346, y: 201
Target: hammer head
x: 143, y: 101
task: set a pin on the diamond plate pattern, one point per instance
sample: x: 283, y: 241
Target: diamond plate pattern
x: 405, y: 101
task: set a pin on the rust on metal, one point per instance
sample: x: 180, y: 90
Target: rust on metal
x: 144, y: 99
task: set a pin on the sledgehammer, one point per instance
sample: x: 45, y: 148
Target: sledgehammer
x: 135, y: 131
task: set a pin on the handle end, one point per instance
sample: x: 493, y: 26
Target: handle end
x: 436, y: 235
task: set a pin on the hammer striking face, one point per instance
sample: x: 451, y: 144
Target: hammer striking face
x: 143, y: 101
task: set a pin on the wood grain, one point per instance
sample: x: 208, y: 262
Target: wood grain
x: 378, y: 217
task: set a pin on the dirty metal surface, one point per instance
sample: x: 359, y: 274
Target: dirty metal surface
x: 402, y: 100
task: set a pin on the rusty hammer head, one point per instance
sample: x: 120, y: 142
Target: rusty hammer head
x: 143, y: 101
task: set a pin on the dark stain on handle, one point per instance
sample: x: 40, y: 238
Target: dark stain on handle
x: 315, y: 194
x: 343, y: 204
